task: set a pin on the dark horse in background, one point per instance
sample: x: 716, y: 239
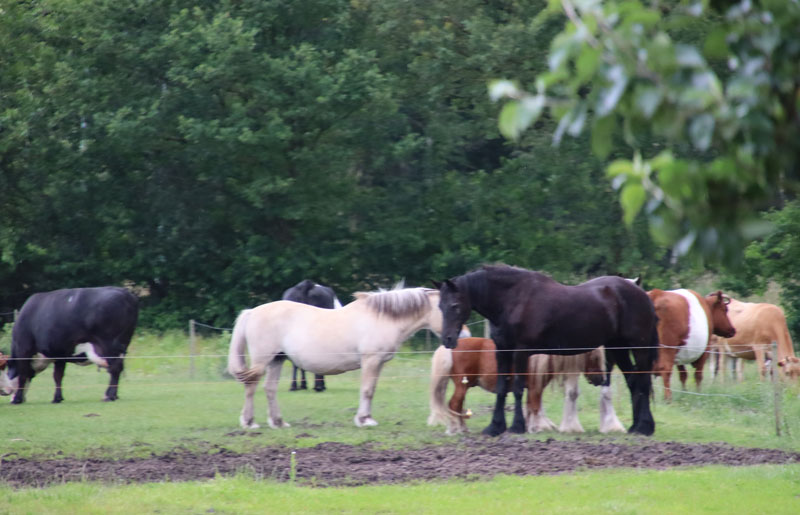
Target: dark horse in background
x: 309, y: 292
x: 530, y: 313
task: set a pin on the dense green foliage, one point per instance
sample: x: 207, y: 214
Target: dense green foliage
x: 211, y: 154
x: 716, y: 82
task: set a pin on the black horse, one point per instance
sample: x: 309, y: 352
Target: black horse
x: 309, y: 292
x: 532, y: 313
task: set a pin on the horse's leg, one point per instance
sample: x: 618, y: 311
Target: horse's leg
x: 521, y: 370
x: 246, y: 418
x: 293, y: 386
x: 639, y: 383
x: 303, y: 384
x: 498, y: 423
x: 455, y: 422
x: 537, y: 419
x: 319, y: 383
x: 58, y: 375
x: 609, y: 422
x: 569, y: 421
x: 371, y: 366
x: 271, y: 389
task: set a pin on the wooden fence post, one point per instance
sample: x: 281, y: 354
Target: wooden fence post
x: 776, y: 388
x: 192, y: 347
x: 16, y: 315
x: 486, y: 331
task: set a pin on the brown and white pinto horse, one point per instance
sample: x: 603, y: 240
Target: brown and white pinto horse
x: 686, y: 321
x: 473, y: 363
x: 757, y: 326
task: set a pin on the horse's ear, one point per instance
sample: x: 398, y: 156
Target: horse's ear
x: 451, y: 284
x: 436, y: 284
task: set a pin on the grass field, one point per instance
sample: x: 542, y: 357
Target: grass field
x: 163, y: 406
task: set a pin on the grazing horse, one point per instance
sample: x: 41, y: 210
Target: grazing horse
x: 473, y: 363
x: 686, y: 321
x: 532, y: 313
x: 364, y: 334
x: 309, y: 292
x: 757, y: 326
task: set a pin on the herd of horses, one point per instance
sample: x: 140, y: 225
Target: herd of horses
x: 540, y: 330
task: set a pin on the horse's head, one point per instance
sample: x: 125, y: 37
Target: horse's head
x: 455, y: 306
x: 595, y: 369
x: 718, y: 303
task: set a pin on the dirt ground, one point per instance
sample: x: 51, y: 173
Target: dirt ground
x: 330, y: 464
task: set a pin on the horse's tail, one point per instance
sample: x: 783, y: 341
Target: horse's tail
x: 441, y: 366
x: 237, y: 366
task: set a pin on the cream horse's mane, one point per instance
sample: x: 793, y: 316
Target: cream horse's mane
x: 398, y: 302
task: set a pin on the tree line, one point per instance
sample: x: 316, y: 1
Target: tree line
x: 211, y: 154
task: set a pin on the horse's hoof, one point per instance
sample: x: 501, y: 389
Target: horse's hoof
x: 278, y: 424
x: 57, y: 401
x: 293, y: 388
x: 109, y: 399
x: 364, y: 421
x: 517, y: 429
x: 493, y: 431
x: 643, y: 429
x: 319, y: 388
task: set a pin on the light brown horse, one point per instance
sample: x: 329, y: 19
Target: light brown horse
x: 473, y: 363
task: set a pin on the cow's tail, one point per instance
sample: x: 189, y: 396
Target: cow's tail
x: 441, y: 366
x: 237, y: 365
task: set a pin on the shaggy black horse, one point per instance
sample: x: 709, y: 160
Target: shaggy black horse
x: 309, y: 292
x: 532, y: 313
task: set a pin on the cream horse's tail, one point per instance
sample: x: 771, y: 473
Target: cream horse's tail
x: 237, y: 366
x: 441, y: 366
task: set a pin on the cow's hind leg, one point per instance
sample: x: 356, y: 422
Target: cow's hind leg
x: 58, y: 375
x: 115, y: 366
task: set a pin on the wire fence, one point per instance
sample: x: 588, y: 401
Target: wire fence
x: 414, y: 350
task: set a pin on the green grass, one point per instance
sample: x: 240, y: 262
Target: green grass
x: 752, y: 490
x: 163, y: 406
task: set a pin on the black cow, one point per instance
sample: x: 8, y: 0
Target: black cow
x: 309, y: 292
x: 80, y: 325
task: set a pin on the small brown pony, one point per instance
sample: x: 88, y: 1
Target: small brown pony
x: 473, y: 363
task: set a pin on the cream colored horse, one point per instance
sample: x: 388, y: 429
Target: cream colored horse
x: 363, y: 334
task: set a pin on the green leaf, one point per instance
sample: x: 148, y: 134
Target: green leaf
x: 701, y: 131
x: 620, y: 167
x: 632, y: 199
x: 647, y: 99
x: 716, y: 45
x: 508, y: 121
x: 602, y: 136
